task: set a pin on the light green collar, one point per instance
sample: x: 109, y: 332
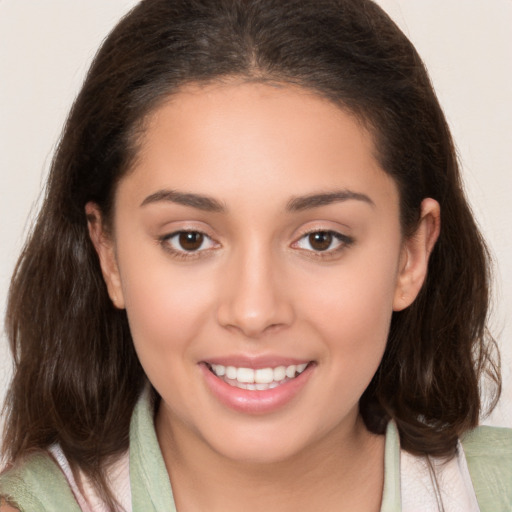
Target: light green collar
x: 391, y: 499
x: 150, y: 485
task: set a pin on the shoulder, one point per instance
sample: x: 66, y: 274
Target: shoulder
x: 483, y: 438
x: 489, y: 445
x: 36, y: 484
x: 488, y: 452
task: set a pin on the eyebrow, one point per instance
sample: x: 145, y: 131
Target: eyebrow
x: 201, y: 202
x: 301, y: 203
x: 296, y: 204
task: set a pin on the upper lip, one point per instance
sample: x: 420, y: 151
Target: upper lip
x: 255, y: 362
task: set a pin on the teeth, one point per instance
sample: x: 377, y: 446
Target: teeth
x: 279, y: 373
x: 264, y: 376
x: 290, y: 371
x: 230, y: 372
x: 260, y: 379
x: 245, y: 375
x: 301, y: 367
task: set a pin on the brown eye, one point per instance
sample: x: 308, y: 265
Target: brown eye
x: 190, y: 240
x: 320, y: 240
x: 323, y: 242
x: 188, y: 244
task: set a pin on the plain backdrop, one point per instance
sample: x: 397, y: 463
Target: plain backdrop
x: 47, y: 45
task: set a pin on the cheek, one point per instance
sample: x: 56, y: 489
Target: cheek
x: 167, y: 306
x: 351, y: 309
x: 354, y: 327
x: 357, y: 295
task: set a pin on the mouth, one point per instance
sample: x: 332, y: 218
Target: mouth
x: 256, y: 386
x: 260, y: 379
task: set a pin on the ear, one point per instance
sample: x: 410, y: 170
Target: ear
x: 104, y: 246
x: 415, y: 255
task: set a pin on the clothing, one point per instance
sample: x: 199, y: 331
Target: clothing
x: 85, y: 494
x: 40, y: 485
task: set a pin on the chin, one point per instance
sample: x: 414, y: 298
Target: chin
x: 260, y: 446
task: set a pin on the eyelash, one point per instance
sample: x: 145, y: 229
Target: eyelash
x: 344, y: 242
x: 166, y: 242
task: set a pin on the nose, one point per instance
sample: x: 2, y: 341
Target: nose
x: 254, y: 299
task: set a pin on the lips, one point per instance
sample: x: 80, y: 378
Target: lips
x: 256, y: 387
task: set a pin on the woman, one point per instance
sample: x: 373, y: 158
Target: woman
x: 246, y: 282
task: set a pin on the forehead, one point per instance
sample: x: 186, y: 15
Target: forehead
x: 239, y: 137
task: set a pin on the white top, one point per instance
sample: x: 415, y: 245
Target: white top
x: 429, y: 484
x: 85, y: 495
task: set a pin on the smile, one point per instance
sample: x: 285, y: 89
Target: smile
x: 256, y: 386
x: 259, y: 379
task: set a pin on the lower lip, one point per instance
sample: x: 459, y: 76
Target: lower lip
x: 255, y: 402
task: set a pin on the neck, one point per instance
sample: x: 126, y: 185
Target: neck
x: 342, y: 471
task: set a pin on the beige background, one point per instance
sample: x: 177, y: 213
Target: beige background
x: 46, y: 46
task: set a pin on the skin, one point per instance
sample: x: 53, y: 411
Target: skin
x: 258, y: 287
x: 5, y: 507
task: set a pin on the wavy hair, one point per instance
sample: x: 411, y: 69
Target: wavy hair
x: 77, y: 376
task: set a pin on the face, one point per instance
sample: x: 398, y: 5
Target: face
x: 258, y: 252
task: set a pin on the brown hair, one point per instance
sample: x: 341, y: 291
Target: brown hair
x: 77, y: 376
